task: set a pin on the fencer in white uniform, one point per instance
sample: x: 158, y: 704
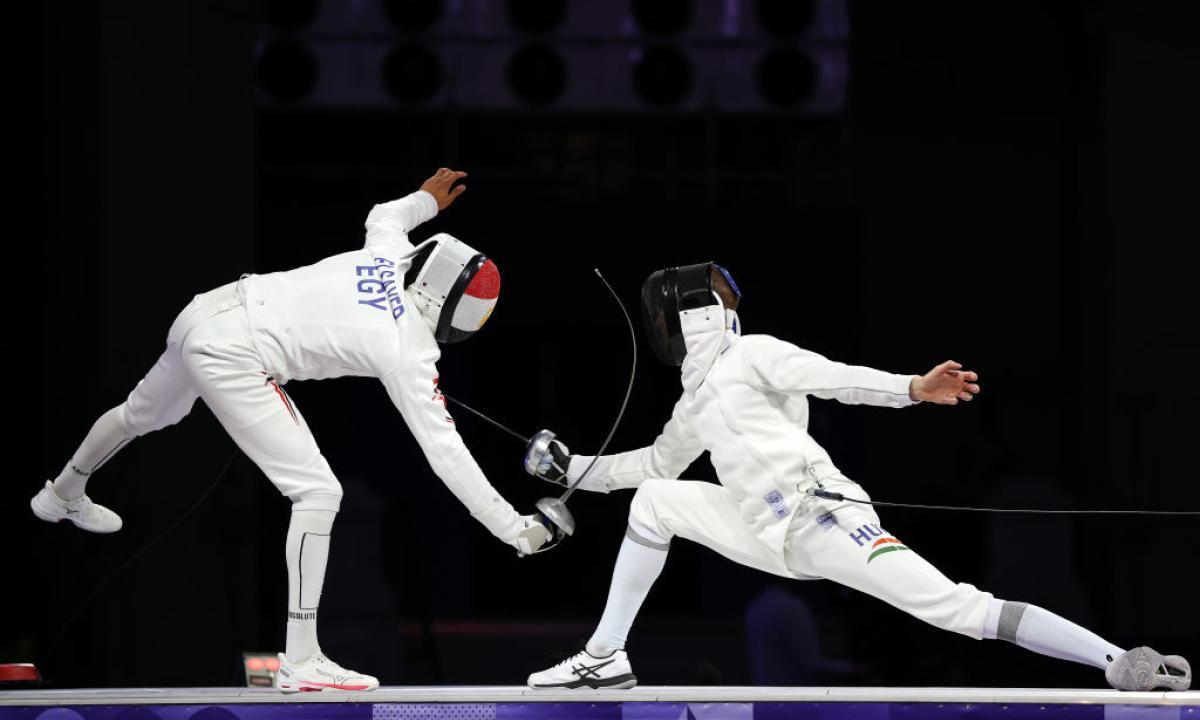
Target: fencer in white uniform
x: 745, y: 400
x: 376, y: 312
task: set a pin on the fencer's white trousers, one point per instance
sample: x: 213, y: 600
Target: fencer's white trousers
x: 825, y: 539
x: 211, y: 355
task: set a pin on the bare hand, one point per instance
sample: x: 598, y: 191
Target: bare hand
x: 441, y: 186
x: 946, y: 384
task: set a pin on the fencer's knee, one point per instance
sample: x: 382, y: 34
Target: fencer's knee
x: 965, y: 611
x: 644, y: 510
x: 317, y: 501
x: 643, y: 507
x: 126, y: 419
x: 141, y: 414
x: 138, y: 418
x: 315, y: 494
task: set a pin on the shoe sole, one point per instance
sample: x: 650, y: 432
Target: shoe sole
x: 323, y: 688
x: 1140, y: 674
x: 620, y: 682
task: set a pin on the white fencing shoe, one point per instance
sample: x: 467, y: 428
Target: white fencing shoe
x: 86, y: 514
x: 586, y: 670
x: 319, y: 673
x: 1143, y: 669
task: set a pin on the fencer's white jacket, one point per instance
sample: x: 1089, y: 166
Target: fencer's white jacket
x: 745, y: 401
x: 348, y: 315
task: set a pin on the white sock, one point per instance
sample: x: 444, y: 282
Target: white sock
x: 307, y: 553
x: 102, y: 442
x: 1041, y: 631
x: 639, y: 564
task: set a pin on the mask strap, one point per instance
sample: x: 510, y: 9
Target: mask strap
x: 729, y: 279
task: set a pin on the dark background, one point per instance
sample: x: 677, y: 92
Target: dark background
x: 1013, y: 187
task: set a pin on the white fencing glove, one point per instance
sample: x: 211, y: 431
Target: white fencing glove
x: 538, y: 535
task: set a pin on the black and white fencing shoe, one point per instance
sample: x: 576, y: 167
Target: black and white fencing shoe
x: 584, y: 670
x: 1144, y: 669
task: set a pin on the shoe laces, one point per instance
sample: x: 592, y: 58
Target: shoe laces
x: 566, y: 659
x: 321, y: 659
x: 80, y: 503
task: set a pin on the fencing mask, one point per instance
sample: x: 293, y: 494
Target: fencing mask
x: 455, y: 288
x: 666, y: 293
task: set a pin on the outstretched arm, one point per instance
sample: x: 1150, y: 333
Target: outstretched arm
x: 413, y: 388
x: 673, y: 450
x: 390, y: 223
x: 781, y: 367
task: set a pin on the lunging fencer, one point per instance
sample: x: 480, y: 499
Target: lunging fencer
x: 745, y: 401
x: 376, y: 312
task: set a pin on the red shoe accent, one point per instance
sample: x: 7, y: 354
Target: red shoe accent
x: 317, y: 687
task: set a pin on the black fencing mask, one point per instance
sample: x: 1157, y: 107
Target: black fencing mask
x: 668, y: 292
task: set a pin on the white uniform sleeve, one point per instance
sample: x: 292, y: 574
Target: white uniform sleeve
x: 784, y: 368
x: 413, y: 388
x: 390, y: 223
x: 673, y: 450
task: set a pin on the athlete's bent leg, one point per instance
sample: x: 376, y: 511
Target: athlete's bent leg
x: 160, y: 399
x: 661, y: 509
